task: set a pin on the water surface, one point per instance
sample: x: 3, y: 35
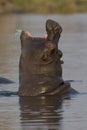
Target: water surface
x: 50, y: 113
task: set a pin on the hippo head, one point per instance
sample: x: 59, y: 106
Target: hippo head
x: 40, y: 71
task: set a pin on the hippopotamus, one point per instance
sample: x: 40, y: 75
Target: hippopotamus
x: 40, y: 64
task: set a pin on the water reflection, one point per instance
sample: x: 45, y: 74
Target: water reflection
x: 43, y: 113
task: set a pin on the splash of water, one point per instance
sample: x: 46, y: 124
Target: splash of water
x: 18, y: 32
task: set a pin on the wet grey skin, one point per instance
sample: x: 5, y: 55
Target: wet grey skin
x: 40, y: 70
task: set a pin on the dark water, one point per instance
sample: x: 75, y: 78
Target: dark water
x: 51, y: 113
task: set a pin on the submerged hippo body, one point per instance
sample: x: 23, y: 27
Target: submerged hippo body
x: 40, y: 71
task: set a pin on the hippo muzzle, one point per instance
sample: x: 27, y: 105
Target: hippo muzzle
x: 40, y: 71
